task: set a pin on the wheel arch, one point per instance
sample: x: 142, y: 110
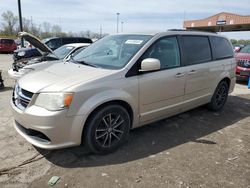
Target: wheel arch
x: 122, y: 103
x: 227, y: 80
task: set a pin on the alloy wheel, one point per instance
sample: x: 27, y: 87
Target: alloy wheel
x: 221, y: 95
x: 110, y: 130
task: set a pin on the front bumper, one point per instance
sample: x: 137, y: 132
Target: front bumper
x: 50, y: 129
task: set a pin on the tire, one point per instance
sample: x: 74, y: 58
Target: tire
x: 107, y: 129
x: 219, y: 97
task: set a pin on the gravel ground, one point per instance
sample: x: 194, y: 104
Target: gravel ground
x: 198, y: 148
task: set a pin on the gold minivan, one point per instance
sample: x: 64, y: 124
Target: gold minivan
x: 119, y: 83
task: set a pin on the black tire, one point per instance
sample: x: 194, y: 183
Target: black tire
x: 107, y: 129
x: 219, y: 97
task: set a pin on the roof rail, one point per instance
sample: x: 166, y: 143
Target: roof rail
x: 192, y: 30
x: 176, y: 30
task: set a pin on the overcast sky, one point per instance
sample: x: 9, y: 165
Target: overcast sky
x: 143, y: 16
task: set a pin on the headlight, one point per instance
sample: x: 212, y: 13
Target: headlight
x: 24, y: 71
x: 21, y: 53
x: 54, y: 101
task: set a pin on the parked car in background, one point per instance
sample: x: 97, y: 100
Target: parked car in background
x: 62, y: 53
x: 25, y: 44
x: 237, y: 48
x: 56, y: 42
x: 121, y: 82
x: 51, y: 43
x: 25, y: 54
x: 243, y: 63
x: 7, y: 45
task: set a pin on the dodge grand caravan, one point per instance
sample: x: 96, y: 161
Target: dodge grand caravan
x: 119, y: 83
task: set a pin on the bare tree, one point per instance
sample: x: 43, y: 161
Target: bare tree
x: 45, y: 30
x: 90, y: 34
x: 56, y: 30
x: 35, y: 30
x: 46, y: 27
x: 26, y: 25
x: 9, y: 23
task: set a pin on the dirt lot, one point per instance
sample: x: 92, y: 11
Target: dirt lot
x: 196, y: 149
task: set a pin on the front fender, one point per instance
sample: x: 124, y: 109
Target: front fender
x: 107, y: 96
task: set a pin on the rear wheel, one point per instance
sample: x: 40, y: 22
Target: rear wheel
x: 219, y: 97
x: 107, y: 129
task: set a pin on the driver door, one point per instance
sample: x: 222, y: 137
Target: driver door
x: 161, y: 92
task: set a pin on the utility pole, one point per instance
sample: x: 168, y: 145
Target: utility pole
x: 122, y: 26
x: 117, y: 24
x: 20, y: 19
x: 100, y: 31
x: 31, y: 21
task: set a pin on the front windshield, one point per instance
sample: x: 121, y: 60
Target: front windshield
x: 112, y: 52
x: 61, y: 52
x: 246, y: 49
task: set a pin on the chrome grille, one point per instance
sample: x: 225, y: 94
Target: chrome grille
x: 244, y: 63
x: 21, y: 98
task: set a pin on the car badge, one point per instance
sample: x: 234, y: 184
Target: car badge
x: 247, y: 63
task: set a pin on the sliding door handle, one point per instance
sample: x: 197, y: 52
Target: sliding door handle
x: 192, y: 72
x: 180, y: 74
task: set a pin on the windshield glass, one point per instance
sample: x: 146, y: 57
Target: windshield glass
x: 112, y: 52
x: 246, y: 49
x: 61, y: 52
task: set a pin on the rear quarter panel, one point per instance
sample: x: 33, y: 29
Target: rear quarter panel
x: 220, y: 69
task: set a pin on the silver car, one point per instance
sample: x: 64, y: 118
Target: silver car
x: 24, y: 66
x: 119, y: 83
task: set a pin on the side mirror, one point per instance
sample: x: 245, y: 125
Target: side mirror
x: 237, y: 50
x: 150, y: 64
x: 68, y: 58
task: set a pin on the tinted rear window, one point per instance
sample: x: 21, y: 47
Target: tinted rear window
x: 68, y: 40
x: 196, y: 49
x: 84, y: 40
x: 221, y: 48
x: 6, y: 41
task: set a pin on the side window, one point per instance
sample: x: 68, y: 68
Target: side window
x: 68, y: 40
x: 221, y: 48
x: 196, y: 49
x: 166, y: 50
x: 7, y: 41
x: 84, y: 40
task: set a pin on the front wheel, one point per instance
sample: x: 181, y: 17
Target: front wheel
x: 107, y: 129
x: 219, y: 97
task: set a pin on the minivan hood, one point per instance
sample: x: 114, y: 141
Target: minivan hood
x: 35, y: 42
x: 60, y: 76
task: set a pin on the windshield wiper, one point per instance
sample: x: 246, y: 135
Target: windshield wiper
x: 85, y: 63
x: 71, y: 59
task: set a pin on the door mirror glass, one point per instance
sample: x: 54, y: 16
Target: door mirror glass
x: 150, y: 64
